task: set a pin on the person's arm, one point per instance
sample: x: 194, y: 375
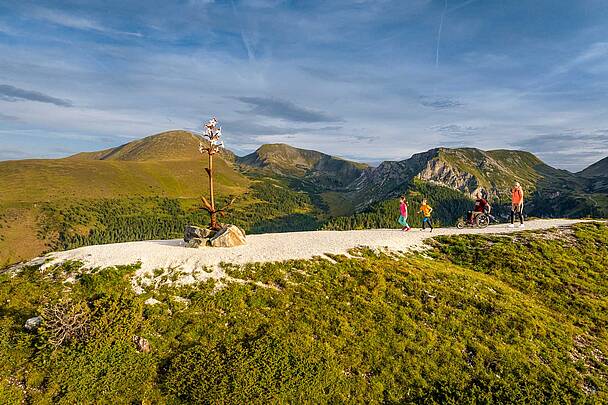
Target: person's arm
x: 521, y: 197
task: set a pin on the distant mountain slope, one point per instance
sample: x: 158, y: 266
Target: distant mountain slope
x: 286, y: 160
x: 598, y: 175
x: 599, y: 168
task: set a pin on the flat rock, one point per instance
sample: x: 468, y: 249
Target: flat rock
x: 229, y: 236
x: 192, y: 232
x: 197, y: 242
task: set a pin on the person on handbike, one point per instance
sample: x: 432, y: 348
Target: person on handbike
x: 481, y: 207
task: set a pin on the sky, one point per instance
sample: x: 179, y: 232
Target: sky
x: 368, y: 80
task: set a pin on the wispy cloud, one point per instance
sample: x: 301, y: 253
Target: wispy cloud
x: 441, y: 103
x: 12, y: 93
x: 577, y: 139
x: 77, y: 22
x: 457, y: 131
x: 461, y: 5
x: 592, y: 55
x: 286, y: 110
x: 571, y: 148
x: 4, y: 29
x: 246, y: 127
x: 8, y: 118
x: 595, y: 51
x: 439, y: 30
x: 13, y: 154
x: 245, y: 38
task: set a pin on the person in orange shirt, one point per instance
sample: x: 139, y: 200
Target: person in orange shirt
x: 517, y: 204
x: 426, y: 210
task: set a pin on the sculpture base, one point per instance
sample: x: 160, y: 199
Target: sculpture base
x: 227, y: 236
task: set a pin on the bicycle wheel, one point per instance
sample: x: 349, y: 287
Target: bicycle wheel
x: 460, y: 224
x: 482, y: 221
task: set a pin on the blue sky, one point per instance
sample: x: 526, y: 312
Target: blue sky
x: 369, y: 80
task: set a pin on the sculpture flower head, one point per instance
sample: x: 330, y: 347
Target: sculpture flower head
x: 213, y: 134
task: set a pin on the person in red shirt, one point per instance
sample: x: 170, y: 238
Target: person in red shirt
x: 481, y: 205
x: 403, y: 216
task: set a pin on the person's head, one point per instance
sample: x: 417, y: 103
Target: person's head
x: 424, y: 201
x: 517, y: 185
x: 477, y: 195
x: 402, y: 198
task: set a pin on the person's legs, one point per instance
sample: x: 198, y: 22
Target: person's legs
x: 430, y: 223
x: 512, y: 214
x: 474, y: 216
x: 423, y: 223
x: 520, y: 212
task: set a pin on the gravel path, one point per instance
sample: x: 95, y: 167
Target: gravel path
x: 171, y: 254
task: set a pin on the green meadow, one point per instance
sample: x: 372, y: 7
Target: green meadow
x: 520, y: 318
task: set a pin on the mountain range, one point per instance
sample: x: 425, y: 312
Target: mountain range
x: 169, y: 165
x: 551, y: 192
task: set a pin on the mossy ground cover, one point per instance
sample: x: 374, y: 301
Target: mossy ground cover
x: 475, y: 320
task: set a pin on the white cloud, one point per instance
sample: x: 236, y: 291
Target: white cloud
x: 76, y: 22
x: 590, y: 58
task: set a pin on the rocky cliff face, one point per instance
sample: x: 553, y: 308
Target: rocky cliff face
x: 439, y: 172
x: 467, y: 170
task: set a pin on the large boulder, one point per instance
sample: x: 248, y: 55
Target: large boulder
x: 228, y: 236
x: 192, y: 232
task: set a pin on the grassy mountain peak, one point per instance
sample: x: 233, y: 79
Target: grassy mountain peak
x: 287, y: 156
x: 287, y: 160
x: 168, y: 145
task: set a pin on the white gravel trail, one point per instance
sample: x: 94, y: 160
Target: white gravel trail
x: 271, y: 247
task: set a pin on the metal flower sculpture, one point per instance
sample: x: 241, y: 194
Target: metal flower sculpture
x: 212, y: 134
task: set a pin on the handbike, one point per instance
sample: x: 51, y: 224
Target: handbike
x: 480, y: 220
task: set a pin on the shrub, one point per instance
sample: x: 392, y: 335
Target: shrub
x: 66, y: 322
